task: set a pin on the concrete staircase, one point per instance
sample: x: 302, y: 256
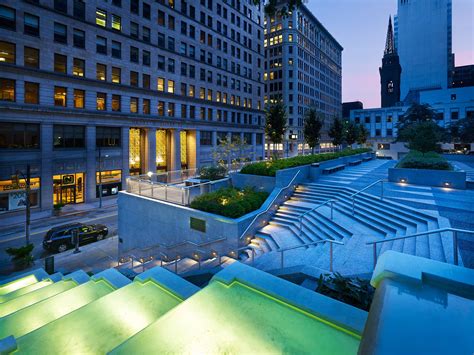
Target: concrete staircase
x: 373, y: 219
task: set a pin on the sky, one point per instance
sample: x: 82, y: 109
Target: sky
x: 360, y: 26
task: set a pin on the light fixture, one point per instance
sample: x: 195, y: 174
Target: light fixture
x: 403, y: 180
x: 447, y: 184
x: 149, y: 174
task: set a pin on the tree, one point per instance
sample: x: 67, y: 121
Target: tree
x: 313, y: 123
x: 278, y: 7
x: 423, y: 136
x: 350, y: 132
x: 336, y: 132
x: 362, y: 134
x: 229, y: 151
x: 463, y: 130
x: 275, y: 123
x: 416, y: 113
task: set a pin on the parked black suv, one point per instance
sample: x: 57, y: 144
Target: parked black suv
x: 60, y: 238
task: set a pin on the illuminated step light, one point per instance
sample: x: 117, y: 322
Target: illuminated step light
x: 403, y: 180
x: 447, y: 184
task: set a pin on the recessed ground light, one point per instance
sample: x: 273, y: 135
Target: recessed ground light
x: 403, y: 180
x: 447, y: 184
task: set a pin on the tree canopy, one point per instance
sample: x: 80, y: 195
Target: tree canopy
x: 362, y: 134
x: 275, y: 123
x: 336, y: 131
x: 278, y: 7
x: 350, y: 132
x: 313, y: 123
x: 463, y: 130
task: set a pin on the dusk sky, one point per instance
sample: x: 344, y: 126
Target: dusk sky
x: 360, y: 26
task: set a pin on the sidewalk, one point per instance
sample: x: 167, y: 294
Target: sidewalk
x: 68, y: 210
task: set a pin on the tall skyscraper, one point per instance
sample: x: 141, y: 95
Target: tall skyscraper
x: 302, y: 68
x: 390, y: 71
x: 108, y: 89
x: 424, y: 44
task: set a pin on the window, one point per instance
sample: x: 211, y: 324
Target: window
x: 101, y: 17
x: 170, y: 109
x: 101, y: 101
x: 134, y: 32
x: 206, y: 138
x: 134, y: 104
x: 161, y: 18
x: 171, y: 65
x: 171, y: 86
x: 116, y: 75
x: 192, y: 112
x: 31, y: 93
x: 7, y: 90
x: 79, y: 38
x: 191, y: 91
x: 184, y: 89
x: 116, y: 49
x: 116, y: 23
x: 171, y: 22
x: 65, y: 136
x: 183, y: 111
x: 161, y: 62
x: 134, y: 6
x: 134, y: 78
x: 161, y: 40
x: 146, y: 106
x: 378, y: 119
x: 117, y: 3
x: 134, y: 54
x: 7, y: 18
x: 60, y: 33
x: 259, y: 139
x: 107, y: 136
x: 146, y: 81
x: 454, y: 115
x: 101, y: 72
x: 31, y: 57
x: 146, y: 58
x: 19, y: 135
x: 60, y: 5
x: 101, y: 45
x: 171, y: 43
x: 146, y: 10
x: 79, y: 98
x: 31, y: 25
x: 7, y: 52
x: 79, y: 9
x: 161, y: 108
x: 79, y: 67
x: 60, y: 96
x: 116, y: 103
x: 146, y: 34
x: 60, y: 63
x: 161, y: 84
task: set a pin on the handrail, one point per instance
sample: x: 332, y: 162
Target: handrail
x: 454, y: 231
x: 365, y: 188
x: 330, y: 241
x: 314, y: 209
x: 269, y: 205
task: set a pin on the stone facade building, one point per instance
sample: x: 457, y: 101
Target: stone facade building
x: 124, y: 87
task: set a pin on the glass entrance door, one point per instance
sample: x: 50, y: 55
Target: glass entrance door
x: 68, y: 194
x: 68, y: 188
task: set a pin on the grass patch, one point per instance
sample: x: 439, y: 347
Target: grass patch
x: 269, y: 168
x: 230, y: 202
x: 418, y: 160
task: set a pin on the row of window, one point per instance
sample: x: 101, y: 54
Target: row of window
x: 32, y: 96
x: 27, y: 136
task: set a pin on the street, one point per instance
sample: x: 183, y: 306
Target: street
x: 14, y: 235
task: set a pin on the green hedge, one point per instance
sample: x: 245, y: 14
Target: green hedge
x: 431, y: 160
x: 230, y: 202
x: 269, y: 168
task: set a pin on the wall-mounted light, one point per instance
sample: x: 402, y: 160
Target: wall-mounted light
x: 149, y: 174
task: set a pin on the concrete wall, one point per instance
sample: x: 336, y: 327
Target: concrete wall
x: 426, y: 177
x: 262, y: 183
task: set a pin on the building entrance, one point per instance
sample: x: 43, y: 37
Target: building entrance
x: 68, y: 188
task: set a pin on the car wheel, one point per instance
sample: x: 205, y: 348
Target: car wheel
x: 62, y: 248
x: 100, y: 237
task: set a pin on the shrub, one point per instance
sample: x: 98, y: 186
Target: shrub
x: 21, y: 256
x: 230, y: 202
x: 417, y: 160
x: 212, y: 173
x: 269, y: 168
x: 354, y: 291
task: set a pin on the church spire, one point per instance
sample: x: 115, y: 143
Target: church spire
x: 389, y: 43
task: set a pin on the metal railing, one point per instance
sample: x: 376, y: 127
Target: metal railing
x: 271, y: 205
x: 331, y: 257
x: 331, y: 201
x: 353, y: 196
x: 429, y: 233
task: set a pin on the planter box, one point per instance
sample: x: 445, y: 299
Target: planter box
x: 427, y: 177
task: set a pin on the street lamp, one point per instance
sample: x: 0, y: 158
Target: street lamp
x: 28, y: 205
x: 100, y: 176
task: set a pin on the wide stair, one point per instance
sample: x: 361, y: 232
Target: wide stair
x: 373, y: 219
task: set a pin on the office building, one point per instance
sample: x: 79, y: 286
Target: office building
x: 302, y: 68
x: 122, y: 87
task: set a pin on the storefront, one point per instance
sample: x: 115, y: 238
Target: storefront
x: 68, y: 188
x: 111, y: 182
x: 13, y: 194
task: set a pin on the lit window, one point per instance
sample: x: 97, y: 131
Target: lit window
x: 60, y: 96
x: 7, y: 90
x: 7, y: 52
x: 101, y: 17
x: 78, y: 68
x: 171, y: 86
x: 116, y: 23
x: 161, y: 84
x: 79, y: 97
x: 101, y: 101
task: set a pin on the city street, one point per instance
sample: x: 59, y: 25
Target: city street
x: 14, y: 235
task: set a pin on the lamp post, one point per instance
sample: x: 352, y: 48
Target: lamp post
x: 100, y: 176
x: 28, y: 205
